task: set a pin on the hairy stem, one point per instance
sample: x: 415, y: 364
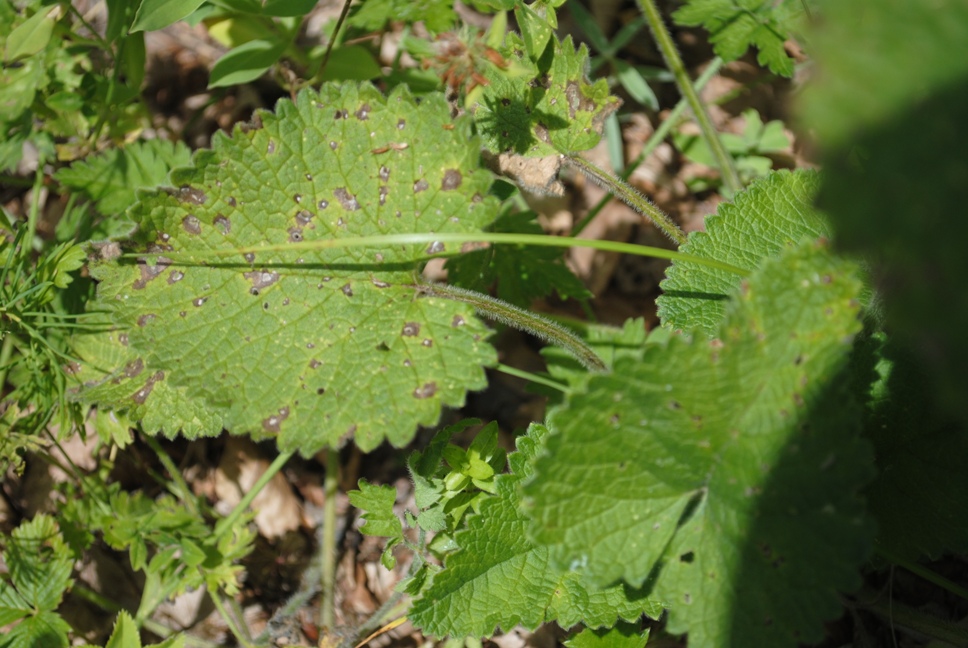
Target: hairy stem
x: 630, y: 197
x: 656, y: 138
x: 664, y: 40
x: 521, y: 319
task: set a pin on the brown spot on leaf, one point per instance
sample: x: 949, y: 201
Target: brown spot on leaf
x: 175, y: 276
x: 295, y: 234
x: 452, y: 180
x: 231, y: 201
x: 426, y: 391
x: 149, y: 272
x: 188, y: 194
x: 141, y: 395
x: 347, y: 290
x: 274, y: 422
x: 261, y: 278
x: 346, y: 199
x: 198, y: 301
x: 192, y: 225
x: 384, y: 192
x: 410, y: 329
x: 363, y: 113
x: 134, y: 367
x: 223, y: 224
x: 145, y: 319
x: 420, y: 185
x: 341, y: 114
x: 384, y: 173
x: 303, y: 217
x: 457, y: 321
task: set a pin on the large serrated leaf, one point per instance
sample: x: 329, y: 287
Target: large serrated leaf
x: 892, y: 191
x: 726, y: 470
x: 310, y: 346
x: 773, y: 213
x: 499, y: 578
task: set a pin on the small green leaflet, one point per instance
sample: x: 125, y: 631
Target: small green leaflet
x: 545, y: 106
x: 736, y: 25
x: 311, y: 347
x: 499, y: 578
x: 111, y: 179
x: 727, y: 470
x: 772, y: 214
x: 39, y: 564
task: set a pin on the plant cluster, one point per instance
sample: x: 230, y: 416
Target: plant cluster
x: 796, y: 421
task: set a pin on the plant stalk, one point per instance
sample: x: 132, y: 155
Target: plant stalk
x: 622, y: 190
x: 225, y: 524
x: 657, y: 138
x: 521, y: 319
x: 386, y: 240
x: 327, y: 609
x: 664, y: 40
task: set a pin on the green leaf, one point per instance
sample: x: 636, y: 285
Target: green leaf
x: 723, y: 468
x: 153, y: 15
x: 891, y: 190
x: 539, y: 108
x: 288, y: 8
x: 522, y: 273
x: 535, y: 29
x: 309, y: 346
x: 125, y: 633
x: 351, y: 63
x: 771, y: 215
x: 736, y: 25
x: 45, y: 629
x: 377, y: 503
x: 373, y: 15
x: 623, y: 635
x: 32, y: 35
x: 245, y: 63
x: 40, y: 563
x: 879, y: 63
x: 499, y: 578
x: 113, y: 178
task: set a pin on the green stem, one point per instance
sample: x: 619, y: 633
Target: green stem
x: 318, y: 75
x: 657, y: 138
x: 630, y: 197
x: 231, y: 622
x: 521, y: 319
x: 908, y: 617
x: 532, y: 377
x: 386, y: 240
x: 327, y: 610
x: 664, y: 40
x: 225, y: 524
x: 184, y: 493
x: 925, y: 573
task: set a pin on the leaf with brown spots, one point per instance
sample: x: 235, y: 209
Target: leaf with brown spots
x: 307, y: 347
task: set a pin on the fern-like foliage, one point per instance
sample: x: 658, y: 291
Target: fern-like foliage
x: 736, y: 25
